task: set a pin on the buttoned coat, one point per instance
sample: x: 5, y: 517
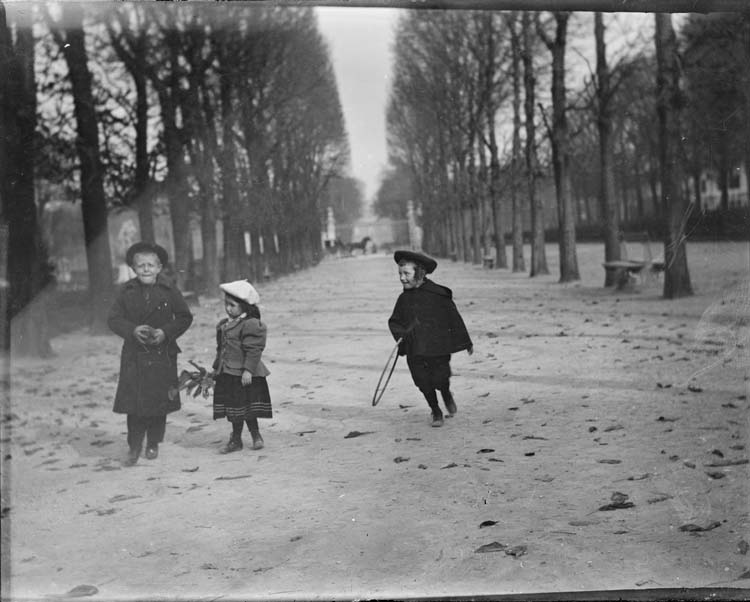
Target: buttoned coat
x: 239, y: 346
x: 165, y: 308
x: 429, y: 322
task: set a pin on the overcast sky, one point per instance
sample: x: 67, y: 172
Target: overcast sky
x: 360, y: 44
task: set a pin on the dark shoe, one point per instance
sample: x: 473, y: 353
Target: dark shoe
x: 132, y: 457
x: 152, y: 451
x: 437, y: 418
x: 233, y: 446
x: 450, y: 405
x: 257, y: 441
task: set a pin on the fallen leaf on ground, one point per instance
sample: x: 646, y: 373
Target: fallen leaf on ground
x: 495, y: 546
x: 451, y: 465
x: 609, y: 461
x: 485, y: 450
x: 695, y: 388
x: 399, y: 459
x: 645, y: 475
x: 693, y: 528
x: 715, y: 474
x: 241, y: 476
x: 659, y: 498
x: 728, y: 462
x: 301, y: 433
x: 353, y: 434
x: 189, y: 469
x: 614, y: 427
x: 617, y: 506
x: 487, y: 523
x: 516, y: 551
x: 82, y: 590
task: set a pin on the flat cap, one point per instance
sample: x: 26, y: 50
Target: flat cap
x: 146, y: 247
x: 428, y: 263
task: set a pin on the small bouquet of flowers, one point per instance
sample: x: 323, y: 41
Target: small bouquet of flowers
x: 195, y: 382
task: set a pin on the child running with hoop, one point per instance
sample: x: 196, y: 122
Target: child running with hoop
x: 427, y: 321
x: 241, y: 391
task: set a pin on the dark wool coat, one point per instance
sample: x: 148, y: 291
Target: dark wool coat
x: 165, y: 309
x: 429, y: 321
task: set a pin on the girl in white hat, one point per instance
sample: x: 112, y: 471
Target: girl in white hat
x: 241, y: 391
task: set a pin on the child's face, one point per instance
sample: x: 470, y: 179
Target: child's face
x: 407, y: 274
x: 232, y: 308
x: 146, y: 267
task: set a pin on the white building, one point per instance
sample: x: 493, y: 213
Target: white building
x: 737, y: 189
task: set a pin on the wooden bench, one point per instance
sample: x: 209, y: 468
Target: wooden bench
x: 488, y: 262
x: 626, y: 269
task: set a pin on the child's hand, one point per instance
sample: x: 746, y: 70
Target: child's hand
x: 142, y: 333
x: 246, y: 377
x: 158, y: 336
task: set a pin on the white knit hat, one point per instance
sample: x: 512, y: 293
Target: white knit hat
x: 241, y: 289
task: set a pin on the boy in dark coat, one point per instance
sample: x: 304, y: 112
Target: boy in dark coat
x: 430, y: 328
x: 149, y: 313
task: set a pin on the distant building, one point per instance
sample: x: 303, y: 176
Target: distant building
x: 737, y: 189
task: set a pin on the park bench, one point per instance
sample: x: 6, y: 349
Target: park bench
x: 626, y: 270
x: 488, y: 262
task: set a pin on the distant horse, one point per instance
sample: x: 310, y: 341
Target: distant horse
x: 360, y: 246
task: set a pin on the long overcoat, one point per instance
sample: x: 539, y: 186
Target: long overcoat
x: 429, y: 322
x: 164, y: 308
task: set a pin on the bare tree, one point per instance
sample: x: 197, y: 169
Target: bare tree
x: 128, y: 35
x: 519, y: 264
x: 669, y: 108
x: 538, y: 254
x: 607, y: 202
x: 560, y: 153
x: 27, y: 270
x: 70, y: 37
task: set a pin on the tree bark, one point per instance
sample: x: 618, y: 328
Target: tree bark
x: 93, y: 202
x: 538, y: 253
x: 26, y: 274
x: 519, y: 264
x: 669, y: 105
x: 560, y: 154
x: 609, y: 215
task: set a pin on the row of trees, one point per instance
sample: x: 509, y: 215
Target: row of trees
x: 480, y: 111
x: 233, y: 115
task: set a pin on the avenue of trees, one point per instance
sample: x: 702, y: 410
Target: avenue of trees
x: 231, y: 116
x: 482, y: 109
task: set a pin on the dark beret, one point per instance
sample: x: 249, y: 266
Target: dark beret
x: 428, y: 263
x: 146, y: 247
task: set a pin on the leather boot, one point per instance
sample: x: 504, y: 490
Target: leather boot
x: 235, y: 444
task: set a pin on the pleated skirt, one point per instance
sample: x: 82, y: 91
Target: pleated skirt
x: 235, y: 402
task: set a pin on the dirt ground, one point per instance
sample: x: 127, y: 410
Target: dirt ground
x: 576, y: 398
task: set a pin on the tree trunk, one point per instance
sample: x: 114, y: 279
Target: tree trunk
x: 560, y: 156
x: 608, y: 208
x: 26, y: 274
x: 176, y: 189
x: 93, y: 203
x: 669, y: 104
x: 519, y: 264
x: 538, y: 253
